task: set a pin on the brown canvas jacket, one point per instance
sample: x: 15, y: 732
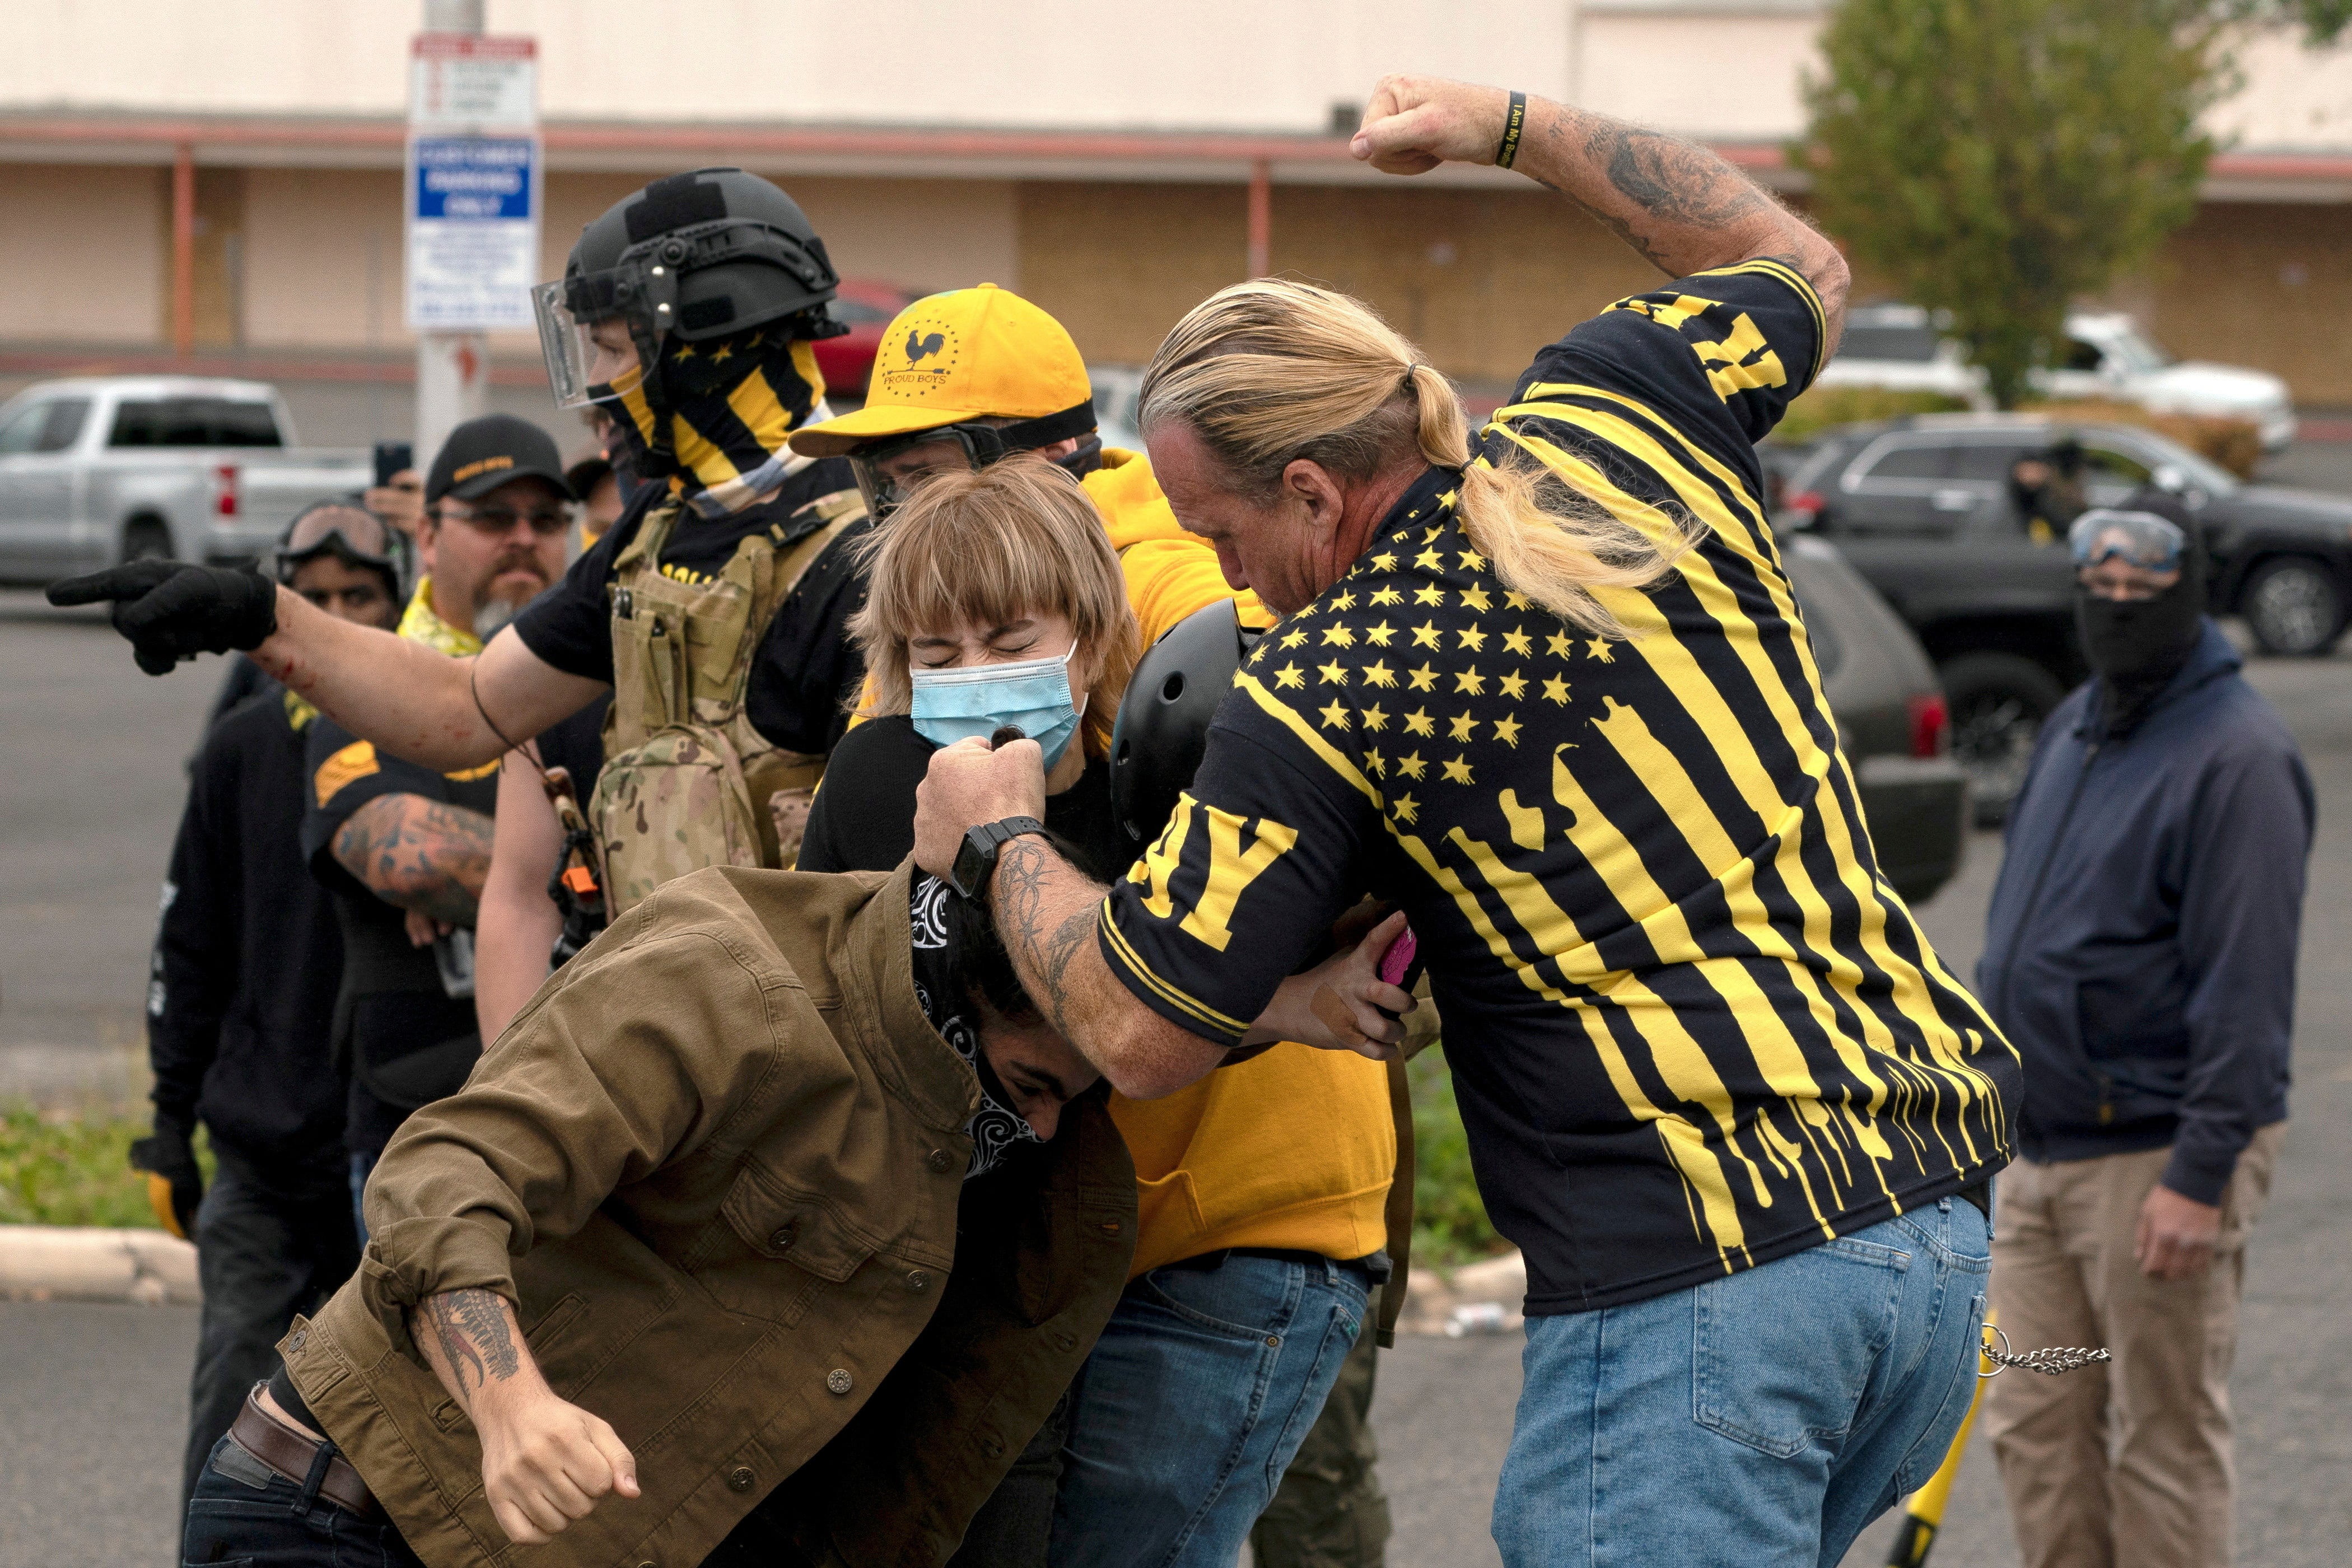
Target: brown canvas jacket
x: 718, y: 1165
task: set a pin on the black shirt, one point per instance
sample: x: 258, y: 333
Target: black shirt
x: 1690, y: 1030
x: 392, y: 1004
x: 241, y: 1002
x: 864, y: 818
x: 807, y: 668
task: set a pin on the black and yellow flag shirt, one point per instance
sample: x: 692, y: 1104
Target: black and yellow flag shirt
x: 1690, y: 1029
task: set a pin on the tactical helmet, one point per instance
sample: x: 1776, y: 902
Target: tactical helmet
x: 693, y: 257
x: 1162, y: 728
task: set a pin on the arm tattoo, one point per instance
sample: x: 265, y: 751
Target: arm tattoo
x: 1664, y: 176
x: 1025, y: 896
x: 420, y: 853
x: 471, y: 1326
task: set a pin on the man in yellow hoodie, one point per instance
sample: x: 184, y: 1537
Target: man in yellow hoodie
x: 1262, y: 1187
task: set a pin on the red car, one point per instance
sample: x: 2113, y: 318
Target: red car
x: 848, y: 360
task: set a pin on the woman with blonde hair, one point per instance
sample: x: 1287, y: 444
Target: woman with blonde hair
x: 995, y: 597
x: 1546, y: 688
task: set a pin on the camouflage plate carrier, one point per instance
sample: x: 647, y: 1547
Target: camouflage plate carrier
x: 687, y: 782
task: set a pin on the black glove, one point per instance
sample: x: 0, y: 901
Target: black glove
x: 171, y: 609
x: 174, y: 1184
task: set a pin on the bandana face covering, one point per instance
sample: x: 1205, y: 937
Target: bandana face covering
x: 732, y: 402
x: 979, y: 698
x: 995, y: 1126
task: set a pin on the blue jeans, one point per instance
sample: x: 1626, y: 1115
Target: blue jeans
x: 1188, y: 1411
x: 243, y: 1513
x: 1760, y: 1419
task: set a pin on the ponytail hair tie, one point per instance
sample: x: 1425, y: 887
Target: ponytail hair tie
x: 1409, y: 369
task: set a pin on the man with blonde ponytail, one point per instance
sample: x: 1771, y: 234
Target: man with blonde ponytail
x: 1546, y: 688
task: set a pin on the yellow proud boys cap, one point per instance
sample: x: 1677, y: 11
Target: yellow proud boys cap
x: 969, y: 353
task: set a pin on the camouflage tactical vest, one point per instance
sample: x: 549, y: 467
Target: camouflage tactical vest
x: 687, y: 782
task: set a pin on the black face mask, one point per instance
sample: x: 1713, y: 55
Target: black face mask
x: 2137, y: 646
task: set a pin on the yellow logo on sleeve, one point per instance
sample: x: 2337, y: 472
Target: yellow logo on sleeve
x: 353, y: 763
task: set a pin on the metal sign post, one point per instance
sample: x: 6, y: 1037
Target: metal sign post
x: 472, y: 214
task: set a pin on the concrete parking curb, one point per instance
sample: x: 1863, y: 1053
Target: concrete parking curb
x: 77, y: 1263
x: 74, y: 1263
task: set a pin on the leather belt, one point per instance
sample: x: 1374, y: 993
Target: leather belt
x: 292, y: 1456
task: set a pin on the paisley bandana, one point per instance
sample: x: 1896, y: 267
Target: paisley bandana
x: 994, y: 1128
x: 732, y: 403
x: 422, y: 623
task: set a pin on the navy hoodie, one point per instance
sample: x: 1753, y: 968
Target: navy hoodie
x: 2140, y: 948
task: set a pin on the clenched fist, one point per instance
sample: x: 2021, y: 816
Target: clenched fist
x: 1413, y: 124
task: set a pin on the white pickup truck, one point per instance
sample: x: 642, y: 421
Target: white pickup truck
x: 100, y: 469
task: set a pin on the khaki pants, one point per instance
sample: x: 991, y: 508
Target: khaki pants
x: 2130, y: 1465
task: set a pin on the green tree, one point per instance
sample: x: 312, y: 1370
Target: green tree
x: 1998, y: 159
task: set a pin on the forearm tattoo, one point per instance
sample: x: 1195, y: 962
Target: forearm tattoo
x: 423, y: 855
x: 471, y: 1329
x: 1664, y: 176
x: 1042, y: 926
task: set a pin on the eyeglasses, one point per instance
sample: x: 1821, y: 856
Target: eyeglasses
x: 495, y: 520
x: 2141, y: 539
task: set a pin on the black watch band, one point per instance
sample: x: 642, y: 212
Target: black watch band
x: 975, y: 861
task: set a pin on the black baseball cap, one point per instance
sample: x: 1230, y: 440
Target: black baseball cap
x: 483, y: 454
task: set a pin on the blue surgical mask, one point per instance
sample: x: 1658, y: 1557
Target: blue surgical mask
x: 979, y: 698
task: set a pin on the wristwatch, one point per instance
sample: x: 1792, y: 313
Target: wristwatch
x: 976, y: 861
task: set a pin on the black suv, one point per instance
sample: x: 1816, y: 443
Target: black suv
x: 1921, y: 508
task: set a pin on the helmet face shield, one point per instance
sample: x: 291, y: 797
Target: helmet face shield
x: 563, y: 340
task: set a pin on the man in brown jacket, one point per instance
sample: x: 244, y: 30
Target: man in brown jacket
x: 771, y: 1231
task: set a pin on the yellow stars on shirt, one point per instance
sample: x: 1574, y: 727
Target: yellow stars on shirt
x: 1516, y: 599
x: 1419, y: 722
x: 1516, y: 641
x: 1472, y: 638
x: 1469, y: 682
x: 1384, y: 596
x: 686, y: 353
x: 1335, y: 717
x: 1385, y: 560
x: 1290, y: 677
x: 1375, y: 717
x: 1333, y: 674
x: 1378, y: 673
x: 1459, y: 770
x: 1430, y: 536
x: 1424, y: 680
x: 1376, y: 764
x: 1508, y: 732
x: 1379, y: 636
x: 722, y: 353
x: 1294, y: 636
x: 1464, y: 726
x: 1514, y: 686
x: 1472, y: 561
x: 1558, y: 645
x: 1338, y: 636
x: 1430, y: 560
x: 1425, y: 634
x: 1556, y: 690
x: 1599, y: 649
x: 1407, y: 809
x: 1429, y: 594
x: 1477, y: 599
x: 1411, y: 766
x: 1346, y: 601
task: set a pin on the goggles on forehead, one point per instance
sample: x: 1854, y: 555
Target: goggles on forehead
x: 2141, y: 537
x: 967, y: 447
x: 306, y: 540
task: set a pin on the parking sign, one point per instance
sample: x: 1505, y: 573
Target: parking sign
x: 473, y: 183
